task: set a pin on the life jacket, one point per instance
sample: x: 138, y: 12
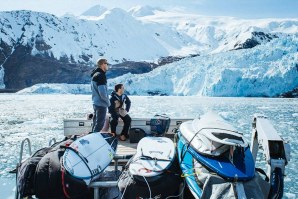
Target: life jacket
x: 119, y: 103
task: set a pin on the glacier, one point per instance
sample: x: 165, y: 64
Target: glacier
x: 266, y: 70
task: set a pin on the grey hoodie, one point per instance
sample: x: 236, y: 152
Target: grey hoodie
x: 99, y: 88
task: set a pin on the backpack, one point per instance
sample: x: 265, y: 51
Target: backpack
x: 160, y: 124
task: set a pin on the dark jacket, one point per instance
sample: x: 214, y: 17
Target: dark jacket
x: 118, y: 102
x: 99, y: 88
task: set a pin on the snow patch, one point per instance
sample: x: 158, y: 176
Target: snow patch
x: 57, y: 89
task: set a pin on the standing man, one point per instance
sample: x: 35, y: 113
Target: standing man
x: 100, y: 97
x: 120, y: 105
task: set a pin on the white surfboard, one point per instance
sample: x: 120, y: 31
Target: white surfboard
x: 154, y: 155
x: 211, y: 134
x: 88, y: 156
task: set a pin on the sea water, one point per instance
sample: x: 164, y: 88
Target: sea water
x: 40, y: 118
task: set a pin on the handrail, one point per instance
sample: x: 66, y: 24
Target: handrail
x: 108, y: 184
x: 105, y: 184
x: 20, y: 161
x: 22, y: 148
x: 120, y: 157
x: 50, y: 142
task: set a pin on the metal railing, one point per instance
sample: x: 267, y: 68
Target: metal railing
x: 52, y: 140
x: 95, y: 185
x: 22, y: 149
x: 108, y: 184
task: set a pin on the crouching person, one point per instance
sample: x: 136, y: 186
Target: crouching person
x: 120, y: 105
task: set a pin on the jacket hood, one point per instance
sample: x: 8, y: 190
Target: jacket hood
x: 96, y: 70
x: 113, y: 93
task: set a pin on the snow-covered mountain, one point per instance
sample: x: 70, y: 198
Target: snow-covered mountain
x: 42, y: 48
x: 76, y: 43
x: 142, y: 11
x: 115, y: 35
x: 94, y: 11
x: 218, y: 34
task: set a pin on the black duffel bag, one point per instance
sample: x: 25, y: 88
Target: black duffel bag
x: 26, y: 172
x: 136, y: 134
x: 53, y: 181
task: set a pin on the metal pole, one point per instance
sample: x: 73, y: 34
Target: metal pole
x: 104, y: 184
x: 116, y: 165
x: 22, y: 147
x: 50, y: 142
x: 96, y: 193
x: 17, y: 190
x: 20, y: 161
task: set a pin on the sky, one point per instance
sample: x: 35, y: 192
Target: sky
x: 235, y: 8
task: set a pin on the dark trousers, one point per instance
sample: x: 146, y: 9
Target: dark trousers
x: 99, y: 118
x: 114, y: 123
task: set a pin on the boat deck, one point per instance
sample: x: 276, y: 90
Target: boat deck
x: 127, y: 148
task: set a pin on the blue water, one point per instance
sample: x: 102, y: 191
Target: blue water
x: 40, y: 117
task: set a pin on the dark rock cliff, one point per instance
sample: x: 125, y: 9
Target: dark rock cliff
x: 23, y: 70
x: 256, y: 39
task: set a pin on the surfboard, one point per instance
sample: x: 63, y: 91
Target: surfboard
x: 153, y: 156
x: 217, y: 145
x: 88, y: 156
x: 211, y: 135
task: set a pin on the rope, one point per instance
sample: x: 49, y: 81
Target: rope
x: 124, y: 189
x: 63, y: 184
x: 186, y: 174
x: 148, y: 186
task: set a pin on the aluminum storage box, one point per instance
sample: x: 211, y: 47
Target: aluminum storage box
x: 80, y: 126
x: 77, y: 126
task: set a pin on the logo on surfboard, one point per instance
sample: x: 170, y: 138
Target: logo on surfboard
x: 84, y: 142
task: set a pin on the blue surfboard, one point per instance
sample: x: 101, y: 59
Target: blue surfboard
x: 242, y: 167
